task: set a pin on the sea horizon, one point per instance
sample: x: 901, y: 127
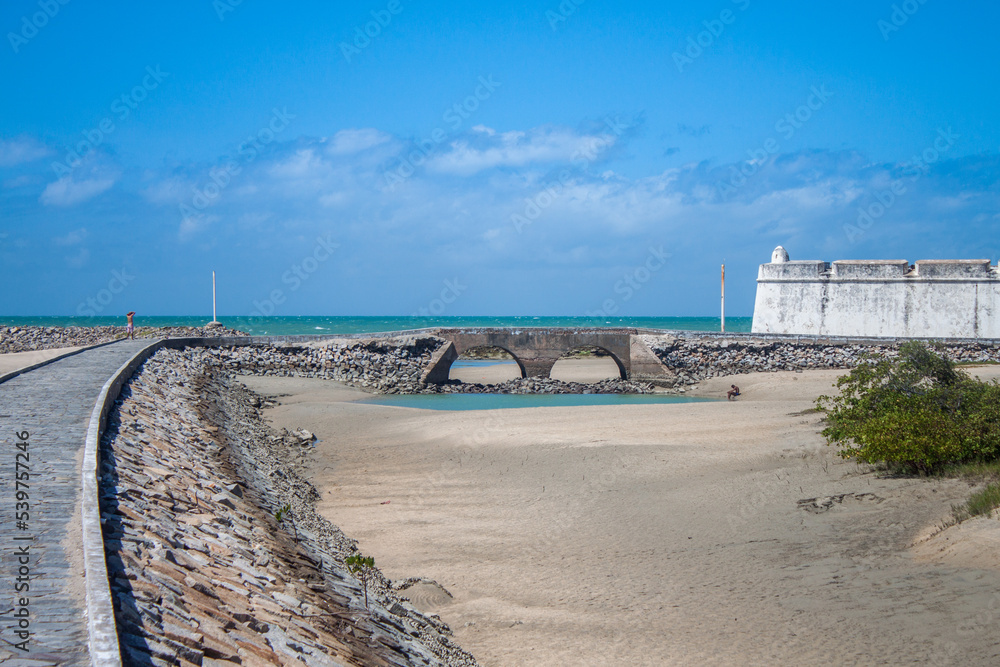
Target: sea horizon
x: 343, y: 324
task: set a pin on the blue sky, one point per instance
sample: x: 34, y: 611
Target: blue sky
x: 524, y: 158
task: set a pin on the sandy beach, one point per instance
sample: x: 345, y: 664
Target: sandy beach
x: 15, y: 361
x: 722, y: 533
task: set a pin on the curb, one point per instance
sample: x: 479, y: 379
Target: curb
x: 101, y: 626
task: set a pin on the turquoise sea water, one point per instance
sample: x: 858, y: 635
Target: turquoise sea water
x: 506, y: 401
x: 286, y: 326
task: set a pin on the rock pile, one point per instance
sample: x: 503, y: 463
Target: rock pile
x: 973, y: 353
x: 392, y: 366
x: 215, y: 551
x: 694, y: 360
x: 26, y: 339
x: 538, y: 385
x: 384, y: 365
x: 187, y: 332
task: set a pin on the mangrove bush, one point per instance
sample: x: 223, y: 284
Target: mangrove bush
x: 916, y: 412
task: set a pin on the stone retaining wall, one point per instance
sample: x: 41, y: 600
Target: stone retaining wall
x: 381, y: 365
x: 202, y: 569
x: 389, y: 366
x: 395, y: 365
x: 694, y: 359
x: 28, y: 339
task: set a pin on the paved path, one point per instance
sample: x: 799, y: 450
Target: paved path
x: 53, y: 404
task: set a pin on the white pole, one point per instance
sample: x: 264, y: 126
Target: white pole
x: 723, y: 297
x: 215, y: 320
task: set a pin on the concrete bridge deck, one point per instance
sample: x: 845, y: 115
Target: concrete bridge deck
x: 54, y: 404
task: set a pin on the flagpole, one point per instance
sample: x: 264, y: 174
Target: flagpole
x: 723, y: 297
x: 215, y: 321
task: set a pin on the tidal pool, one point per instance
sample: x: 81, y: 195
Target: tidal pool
x: 507, y: 401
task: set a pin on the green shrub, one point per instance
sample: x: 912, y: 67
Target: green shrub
x: 917, y: 412
x: 985, y: 501
x: 361, y: 566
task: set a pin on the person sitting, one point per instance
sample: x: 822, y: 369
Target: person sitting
x: 732, y: 393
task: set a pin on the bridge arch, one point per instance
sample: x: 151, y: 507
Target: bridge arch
x: 469, y: 348
x: 621, y: 370
x: 536, y: 350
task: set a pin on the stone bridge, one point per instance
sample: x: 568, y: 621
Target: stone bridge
x: 537, y: 350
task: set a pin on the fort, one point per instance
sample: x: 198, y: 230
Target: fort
x: 954, y: 298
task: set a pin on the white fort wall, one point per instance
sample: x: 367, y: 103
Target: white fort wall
x: 884, y: 298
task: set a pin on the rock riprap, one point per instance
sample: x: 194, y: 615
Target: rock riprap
x: 390, y: 366
x: 695, y: 359
x: 382, y: 365
x: 215, y: 551
x: 27, y: 339
x: 540, y: 385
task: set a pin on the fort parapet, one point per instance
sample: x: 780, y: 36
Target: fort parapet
x: 931, y: 298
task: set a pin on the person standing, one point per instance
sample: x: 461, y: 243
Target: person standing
x: 130, y: 329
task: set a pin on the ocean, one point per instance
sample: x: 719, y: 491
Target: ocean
x: 313, y: 324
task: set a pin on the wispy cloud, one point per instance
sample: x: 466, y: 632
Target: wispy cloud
x: 486, y: 149
x: 454, y: 216
x: 21, y: 150
x: 79, y: 259
x: 466, y: 199
x: 351, y: 141
x: 68, y: 191
x: 693, y: 131
x: 193, y: 225
x: 72, y: 238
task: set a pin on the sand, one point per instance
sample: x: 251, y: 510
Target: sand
x: 15, y: 361
x: 708, y: 533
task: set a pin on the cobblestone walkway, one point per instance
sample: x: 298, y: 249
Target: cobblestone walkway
x: 50, y: 407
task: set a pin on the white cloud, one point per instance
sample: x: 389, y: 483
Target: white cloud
x: 596, y: 210
x: 79, y: 259
x: 21, y: 150
x: 73, y: 238
x: 191, y: 225
x: 518, y: 149
x: 355, y: 141
x: 169, y: 191
x: 334, y: 199
x: 245, y: 190
x: 67, y: 191
x: 304, y: 163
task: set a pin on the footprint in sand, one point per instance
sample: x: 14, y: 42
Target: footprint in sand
x: 426, y: 594
x: 825, y: 503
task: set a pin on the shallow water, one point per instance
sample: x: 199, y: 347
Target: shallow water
x: 479, y: 363
x: 512, y: 401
